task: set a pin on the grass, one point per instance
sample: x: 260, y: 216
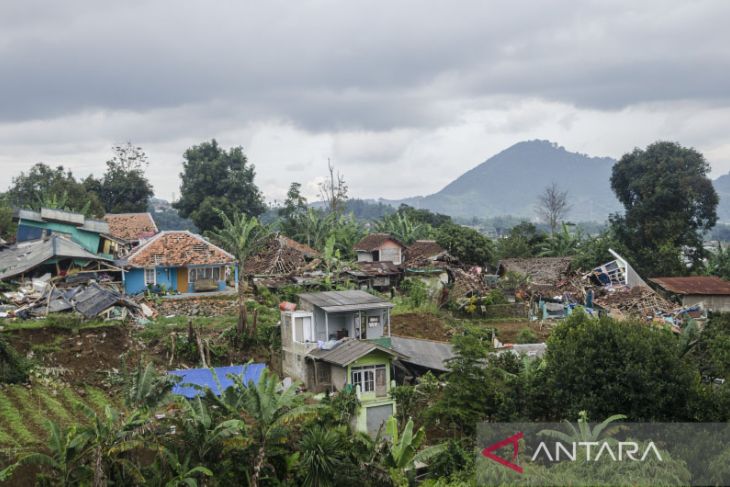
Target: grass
x: 48, y: 347
x: 32, y: 412
x: 14, y: 422
x: 96, y: 399
x: 60, y: 321
x: 24, y: 412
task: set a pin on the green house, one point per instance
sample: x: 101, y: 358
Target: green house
x: 363, y: 365
x: 36, y: 225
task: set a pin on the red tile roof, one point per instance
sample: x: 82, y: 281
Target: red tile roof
x: 131, y: 226
x: 374, y: 241
x: 178, y: 249
x: 707, y: 285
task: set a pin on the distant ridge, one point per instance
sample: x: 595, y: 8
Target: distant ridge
x: 510, y: 182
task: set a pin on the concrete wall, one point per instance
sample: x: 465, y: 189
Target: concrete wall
x: 390, y: 251
x: 293, y: 364
x: 713, y: 303
x: 134, y: 279
x: 364, y: 256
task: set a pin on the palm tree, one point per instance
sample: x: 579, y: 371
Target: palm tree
x: 562, y: 243
x: 243, y: 237
x: 322, y: 452
x: 268, y: 408
x: 147, y: 389
x: 64, y: 457
x: 183, y: 473
x: 403, y: 228
x: 203, y: 436
x: 584, y: 432
x: 110, y: 437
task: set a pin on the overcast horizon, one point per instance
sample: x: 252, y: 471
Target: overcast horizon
x: 419, y: 92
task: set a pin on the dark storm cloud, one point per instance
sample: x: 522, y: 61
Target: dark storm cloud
x: 335, y: 65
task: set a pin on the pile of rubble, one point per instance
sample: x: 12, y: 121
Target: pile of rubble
x: 196, y: 307
x: 640, y: 301
x: 91, y: 296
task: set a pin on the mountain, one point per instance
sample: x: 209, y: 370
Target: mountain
x: 722, y: 186
x: 510, y: 182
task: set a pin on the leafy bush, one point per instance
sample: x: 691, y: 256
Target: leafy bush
x: 13, y: 367
x: 526, y: 335
x: 415, y: 290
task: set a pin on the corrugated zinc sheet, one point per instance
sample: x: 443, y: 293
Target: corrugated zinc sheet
x: 345, y: 300
x: 708, y: 285
x: 425, y: 353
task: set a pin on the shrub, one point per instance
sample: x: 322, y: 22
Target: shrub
x: 526, y: 335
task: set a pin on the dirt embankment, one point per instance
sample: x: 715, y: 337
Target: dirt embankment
x: 421, y: 325
x: 78, y: 356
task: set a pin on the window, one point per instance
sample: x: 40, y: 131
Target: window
x: 370, y: 378
x: 303, y: 331
x: 198, y: 273
x: 150, y: 276
x: 373, y: 321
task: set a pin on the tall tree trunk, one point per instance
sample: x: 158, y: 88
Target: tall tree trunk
x: 255, y: 323
x: 242, y: 312
x: 258, y: 466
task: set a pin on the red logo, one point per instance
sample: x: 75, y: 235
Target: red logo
x: 514, y: 439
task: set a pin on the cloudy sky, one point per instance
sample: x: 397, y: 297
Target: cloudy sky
x: 402, y: 96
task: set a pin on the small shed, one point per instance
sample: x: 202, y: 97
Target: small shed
x: 712, y: 291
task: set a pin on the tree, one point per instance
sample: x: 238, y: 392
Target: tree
x: 561, y: 244
x: 466, y: 244
x: 333, y: 191
x: 243, y: 237
x: 44, y: 186
x: 124, y: 188
x: 523, y: 240
x: 294, y: 207
x: 422, y: 215
x: 552, y: 206
x: 214, y: 179
x: 603, y: 366
x: 669, y: 203
x: 323, y: 456
x: 402, y: 227
x: 7, y: 227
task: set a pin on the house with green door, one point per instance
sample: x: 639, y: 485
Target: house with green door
x: 334, y: 340
x: 362, y: 365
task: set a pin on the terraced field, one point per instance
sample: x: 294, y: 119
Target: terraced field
x: 25, y: 412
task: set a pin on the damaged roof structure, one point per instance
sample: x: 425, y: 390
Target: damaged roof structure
x: 131, y: 228
x: 35, y: 225
x: 377, y: 247
x: 54, y: 253
x: 425, y: 253
x: 544, y: 273
x: 280, y: 256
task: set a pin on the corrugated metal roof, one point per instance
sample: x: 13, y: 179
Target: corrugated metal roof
x: 28, y: 255
x: 345, y: 300
x: 194, y: 379
x: 75, y: 219
x: 348, y: 350
x: 425, y: 353
x: 706, y: 285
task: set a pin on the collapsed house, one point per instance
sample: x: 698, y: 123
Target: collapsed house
x: 53, y: 255
x: 283, y: 262
x: 178, y: 261
x: 381, y: 276
x: 128, y: 230
x: 428, y: 262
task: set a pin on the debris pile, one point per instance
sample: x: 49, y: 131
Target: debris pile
x: 622, y: 301
x: 195, y: 307
x: 82, y: 294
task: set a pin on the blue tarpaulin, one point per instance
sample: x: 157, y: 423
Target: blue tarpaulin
x: 204, y: 378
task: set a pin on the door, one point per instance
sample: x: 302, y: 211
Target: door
x: 381, y: 388
x: 182, y: 279
x: 376, y: 416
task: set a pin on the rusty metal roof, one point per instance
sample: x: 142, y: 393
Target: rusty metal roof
x: 707, y: 285
x: 374, y: 241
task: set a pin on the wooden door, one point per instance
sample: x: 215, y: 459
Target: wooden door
x: 182, y: 279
